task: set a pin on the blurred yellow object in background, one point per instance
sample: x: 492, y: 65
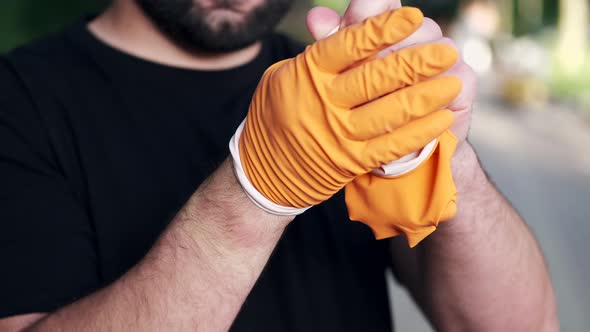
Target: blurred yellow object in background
x: 525, y: 91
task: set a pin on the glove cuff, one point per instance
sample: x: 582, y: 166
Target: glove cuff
x: 408, y: 163
x: 255, y: 196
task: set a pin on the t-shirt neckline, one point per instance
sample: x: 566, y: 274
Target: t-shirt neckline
x: 252, y: 68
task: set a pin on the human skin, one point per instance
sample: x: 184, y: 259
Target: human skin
x: 220, y: 234
x: 482, y: 271
x: 199, y: 272
x: 195, y: 278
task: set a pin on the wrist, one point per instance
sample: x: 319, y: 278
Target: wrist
x: 221, y: 213
x: 474, y: 193
x: 467, y: 172
x: 249, y: 189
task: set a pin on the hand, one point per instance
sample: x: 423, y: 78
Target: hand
x: 322, y: 21
x: 415, y: 203
x: 316, y: 123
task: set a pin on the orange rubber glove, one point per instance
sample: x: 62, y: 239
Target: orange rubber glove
x: 412, y: 204
x: 315, y: 123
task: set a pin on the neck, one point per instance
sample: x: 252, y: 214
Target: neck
x: 124, y: 26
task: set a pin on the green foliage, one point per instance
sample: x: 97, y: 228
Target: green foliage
x: 338, y: 5
x: 432, y: 8
x: 572, y: 86
x: 23, y: 20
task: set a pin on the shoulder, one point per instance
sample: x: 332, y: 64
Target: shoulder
x: 28, y: 76
x: 285, y: 46
x: 30, y: 67
x: 38, y: 67
x: 43, y: 54
x: 22, y: 129
x: 33, y: 69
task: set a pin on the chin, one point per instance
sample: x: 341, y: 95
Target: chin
x: 215, y: 25
x: 218, y: 17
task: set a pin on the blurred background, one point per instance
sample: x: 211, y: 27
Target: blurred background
x: 531, y: 122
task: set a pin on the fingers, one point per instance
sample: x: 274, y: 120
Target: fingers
x: 359, y: 42
x: 379, y: 77
x: 395, y: 110
x: 428, y: 32
x: 469, y: 82
x: 407, y: 139
x: 322, y: 21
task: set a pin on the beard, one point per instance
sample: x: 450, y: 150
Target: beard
x: 223, y: 26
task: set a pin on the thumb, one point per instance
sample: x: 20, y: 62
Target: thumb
x: 322, y: 22
x: 396, y: 4
x: 360, y: 10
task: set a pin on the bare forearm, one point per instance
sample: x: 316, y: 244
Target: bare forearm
x: 197, y: 275
x: 484, y: 271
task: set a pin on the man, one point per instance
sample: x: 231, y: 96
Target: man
x: 119, y: 212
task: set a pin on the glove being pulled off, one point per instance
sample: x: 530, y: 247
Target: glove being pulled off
x: 412, y: 204
x: 335, y: 112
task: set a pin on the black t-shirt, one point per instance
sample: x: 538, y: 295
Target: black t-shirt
x: 100, y: 149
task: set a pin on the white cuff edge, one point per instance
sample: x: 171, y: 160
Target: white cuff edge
x: 406, y: 164
x: 255, y: 196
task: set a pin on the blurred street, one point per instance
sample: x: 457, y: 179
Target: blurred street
x: 540, y: 160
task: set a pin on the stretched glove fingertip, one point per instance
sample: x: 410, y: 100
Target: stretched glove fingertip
x: 412, y: 14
